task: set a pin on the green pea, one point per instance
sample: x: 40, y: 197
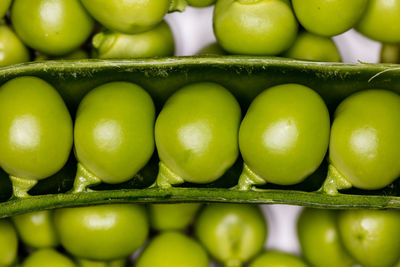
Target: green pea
x: 390, y: 53
x: 284, y: 136
x: 328, y: 17
x: 211, y: 49
x: 36, y: 229
x: 114, y: 139
x: 8, y: 243
x: 77, y: 54
x: 232, y: 233
x: 90, y: 263
x: 4, y: 5
x: 319, y: 239
x: 172, y: 216
x: 12, y: 49
x: 173, y: 249
x: 35, y: 131
x: 364, y: 144
x: 277, y: 259
x: 53, y: 27
x: 103, y: 232
x: 157, y: 41
x: 201, y: 3
x: 129, y: 17
x: 254, y: 27
x: 372, y: 237
x: 47, y: 258
x: 308, y: 46
x: 381, y: 21
x: 196, y: 134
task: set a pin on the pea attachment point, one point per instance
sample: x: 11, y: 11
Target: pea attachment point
x: 21, y: 186
x: 177, y: 5
x: 334, y: 181
x: 248, y: 179
x: 166, y: 177
x: 83, y: 180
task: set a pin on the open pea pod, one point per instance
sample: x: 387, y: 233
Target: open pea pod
x: 245, y: 77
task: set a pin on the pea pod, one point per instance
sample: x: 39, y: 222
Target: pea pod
x: 245, y: 77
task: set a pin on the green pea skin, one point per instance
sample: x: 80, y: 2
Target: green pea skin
x: 128, y: 16
x: 381, y: 21
x: 211, y: 49
x: 201, y: 3
x: 172, y: 216
x: 12, y: 50
x: 8, y: 243
x: 196, y: 134
x: 36, y: 229
x: 35, y: 131
x: 254, y: 27
x: 284, y: 136
x: 173, y: 249
x: 114, y: 139
x: 372, y: 237
x: 103, y: 232
x: 156, y: 42
x: 277, y: 259
x: 52, y: 27
x: 4, y: 5
x: 89, y: 263
x: 319, y: 239
x: 47, y: 258
x: 308, y: 46
x: 364, y: 143
x: 232, y: 233
x: 328, y: 17
x: 390, y: 53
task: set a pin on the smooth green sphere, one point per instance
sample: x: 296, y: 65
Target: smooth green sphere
x: 173, y: 249
x: 254, y: 27
x: 103, y: 232
x: 8, y: 243
x: 12, y: 50
x: 52, y: 27
x: 364, y: 144
x: 113, y: 132
x: 47, y: 258
x: 35, y: 128
x: 277, y: 259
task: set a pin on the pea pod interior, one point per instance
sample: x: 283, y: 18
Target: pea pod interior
x: 245, y: 77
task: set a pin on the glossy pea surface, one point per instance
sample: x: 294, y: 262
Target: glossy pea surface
x: 328, y: 17
x: 308, y: 46
x: 277, y: 259
x: 103, y: 232
x: 36, y: 229
x: 172, y: 216
x: 232, y: 233
x: 372, y: 237
x: 128, y: 16
x: 90, y: 263
x: 284, y: 136
x: 48, y: 258
x: 12, y: 49
x: 35, y: 128
x: 173, y: 249
x: 381, y: 21
x: 320, y: 240
x: 156, y: 42
x: 114, y: 139
x: 4, y: 5
x: 53, y: 27
x: 8, y: 243
x: 196, y: 132
x: 254, y: 27
x: 364, y: 142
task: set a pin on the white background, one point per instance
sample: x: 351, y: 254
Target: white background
x: 192, y: 30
